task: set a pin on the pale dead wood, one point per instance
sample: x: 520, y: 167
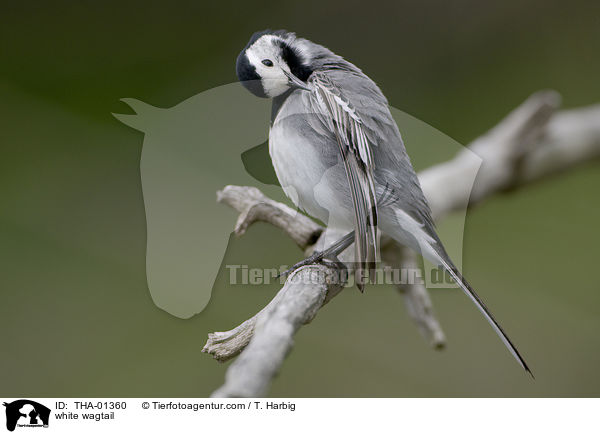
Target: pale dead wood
x: 415, y: 295
x: 254, y: 206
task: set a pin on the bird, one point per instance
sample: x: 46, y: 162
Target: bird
x: 339, y: 155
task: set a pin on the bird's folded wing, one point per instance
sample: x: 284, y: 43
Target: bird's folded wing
x: 338, y: 115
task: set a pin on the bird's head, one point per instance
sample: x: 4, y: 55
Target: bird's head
x: 272, y: 63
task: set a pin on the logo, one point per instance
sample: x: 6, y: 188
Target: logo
x: 26, y: 413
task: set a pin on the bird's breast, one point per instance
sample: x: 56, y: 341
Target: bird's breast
x: 295, y: 160
x: 308, y: 166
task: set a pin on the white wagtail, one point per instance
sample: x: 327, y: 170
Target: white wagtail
x: 338, y: 154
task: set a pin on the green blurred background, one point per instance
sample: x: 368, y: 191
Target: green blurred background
x: 76, y: 318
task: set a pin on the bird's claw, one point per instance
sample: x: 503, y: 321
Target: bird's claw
x: 315, y: 258
x: 330, y: 254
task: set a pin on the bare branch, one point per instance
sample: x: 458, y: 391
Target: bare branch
x: 303, y: 294
x: 254, y: 206
x: 225, y: 345
x: 530, y: 143
x: 416, y: 298
x: 572, y: 137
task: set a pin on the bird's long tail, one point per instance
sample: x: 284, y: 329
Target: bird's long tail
x: 461, y: 281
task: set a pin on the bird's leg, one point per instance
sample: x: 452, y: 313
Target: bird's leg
x: 329, y: 253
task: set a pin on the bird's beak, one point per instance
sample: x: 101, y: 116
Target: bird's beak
x: 295, y: 82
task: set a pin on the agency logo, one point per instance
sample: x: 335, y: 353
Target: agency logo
x: 25, y: 413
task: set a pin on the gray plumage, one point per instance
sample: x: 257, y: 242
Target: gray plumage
x: 338, y: 153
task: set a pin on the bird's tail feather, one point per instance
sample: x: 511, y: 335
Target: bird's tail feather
x: 462, y: 282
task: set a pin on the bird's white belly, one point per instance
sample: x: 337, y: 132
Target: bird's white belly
x: 319, y: 190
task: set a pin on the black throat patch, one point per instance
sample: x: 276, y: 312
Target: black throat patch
x: 293, y: 59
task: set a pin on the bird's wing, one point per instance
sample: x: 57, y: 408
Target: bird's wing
x: 363, y: 107
x: 339, y: 116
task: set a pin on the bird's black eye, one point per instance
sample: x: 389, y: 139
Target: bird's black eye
x: 267, y: 62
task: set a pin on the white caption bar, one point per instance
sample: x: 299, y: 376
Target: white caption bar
x: 91, y: 415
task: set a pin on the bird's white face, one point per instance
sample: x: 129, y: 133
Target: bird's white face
x: 265, y: 55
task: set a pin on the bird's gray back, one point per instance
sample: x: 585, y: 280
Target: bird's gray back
x: 396, y: 182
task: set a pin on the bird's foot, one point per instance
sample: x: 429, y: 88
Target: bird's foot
x: 316, y: 258
x: 329, y: 255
